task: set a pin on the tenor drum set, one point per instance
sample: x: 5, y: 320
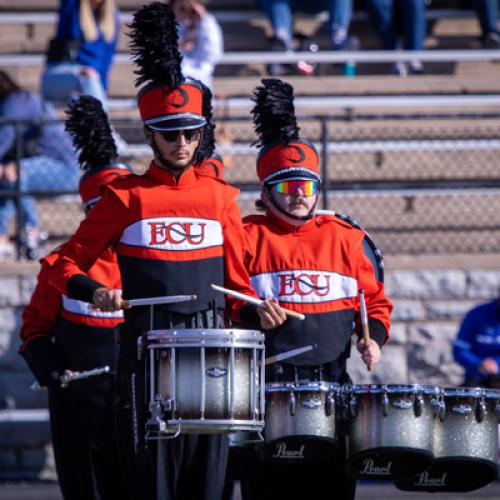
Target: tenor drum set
x: 424, y: 438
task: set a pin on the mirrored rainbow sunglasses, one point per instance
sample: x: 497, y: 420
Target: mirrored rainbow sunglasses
x: 307, y: 186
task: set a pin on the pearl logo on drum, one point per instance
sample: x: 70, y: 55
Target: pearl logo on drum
x: 311, y: 403
x: 462, y: 409
x: 216, y: 372
x: 425, y: 480
x: 369, y: 468
x: 402, y: 404
x: 282, y: 452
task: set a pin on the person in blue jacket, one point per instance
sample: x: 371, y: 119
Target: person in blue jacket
x: 477, y: 346
x: 80, y: 55
x: 44, y: 160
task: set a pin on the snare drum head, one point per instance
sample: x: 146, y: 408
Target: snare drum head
x: 458, y: 474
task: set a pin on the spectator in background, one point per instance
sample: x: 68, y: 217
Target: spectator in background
x: 487, y: 14
x: 280, y: 17
x: 80, y: 55
x: 391, y: 16
x: 200, y: 39
x: 47, y: 160
x: 477, y: 346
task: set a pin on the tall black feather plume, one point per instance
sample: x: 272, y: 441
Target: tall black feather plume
x: 154, y: 45
x: 274, y: 113
x: 207, y: 146
x: 89, y: 127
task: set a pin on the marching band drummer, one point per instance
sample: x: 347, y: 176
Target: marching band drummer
x: 175, y: 231
x: 61, y: 334
x: 315, y: 265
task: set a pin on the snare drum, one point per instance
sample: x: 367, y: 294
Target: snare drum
x: 390, y: 434
x: 300, y: 421
x: 203, y: 381
x: 465, y: 442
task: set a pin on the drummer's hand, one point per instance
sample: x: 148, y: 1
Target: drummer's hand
x: 271, y: 314
x: 64, y: 385
x: 370, y: 353
x: 107, y: 299
x: 488, y: 367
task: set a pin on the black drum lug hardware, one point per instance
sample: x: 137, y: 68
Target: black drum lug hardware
x: 329, y: 404
x: 155, y: 423
x: 353, y: 406
x: 419, y: 405
x: 292, y: 404
x: 436, y: 407
x: 385, y: 403
x: 481, y: 410
x: 139, y: 348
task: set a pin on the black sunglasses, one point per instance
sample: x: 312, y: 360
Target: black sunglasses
x: 189, y: 134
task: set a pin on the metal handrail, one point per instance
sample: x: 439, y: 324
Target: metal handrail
x: 323, y: 56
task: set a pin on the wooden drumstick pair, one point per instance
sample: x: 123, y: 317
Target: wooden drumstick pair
x: 364, y: 322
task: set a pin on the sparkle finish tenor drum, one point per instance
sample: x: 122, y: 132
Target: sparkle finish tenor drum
x: 390, y: 434
x: 465, y: 442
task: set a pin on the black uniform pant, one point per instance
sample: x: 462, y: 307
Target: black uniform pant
x: 81, y: 419
x: 309, y: 481
x: 188, y: 467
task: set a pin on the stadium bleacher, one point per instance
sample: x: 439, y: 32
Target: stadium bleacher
x: 368, y: 154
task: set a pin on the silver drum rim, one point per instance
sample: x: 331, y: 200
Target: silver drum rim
x: 360, y: 389
x: 205, y: 337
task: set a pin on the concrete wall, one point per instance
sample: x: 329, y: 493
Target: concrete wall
x: 430, y: 295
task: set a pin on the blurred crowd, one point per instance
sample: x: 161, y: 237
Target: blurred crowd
x: 80, y: 55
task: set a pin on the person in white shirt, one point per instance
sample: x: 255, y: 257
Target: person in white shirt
x: 200, y: 39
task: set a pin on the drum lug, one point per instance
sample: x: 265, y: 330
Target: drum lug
x: 480, y: 411
x: 329, y: 404
x: 155, y: 423
x: 419, y: 405
x: 385, y: 404
x: 436, y: 407
x: 353, y: 406
x: 139, y: 348
x: 169, y: 405
x: 292, y: 404
x: 442, y: 411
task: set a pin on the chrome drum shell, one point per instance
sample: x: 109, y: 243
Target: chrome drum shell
x: 465, y: 442
x: 205, y: 380
x: 390, y: 432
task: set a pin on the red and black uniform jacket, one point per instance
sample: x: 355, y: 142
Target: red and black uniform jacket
x: 171, y: 236
x: 316, y: 269
x: 60, y: 333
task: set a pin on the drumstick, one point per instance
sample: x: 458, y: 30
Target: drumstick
x: 288, y: 354
x: 254, y: 301
x: 151, y: 301
x: 364, y: 321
